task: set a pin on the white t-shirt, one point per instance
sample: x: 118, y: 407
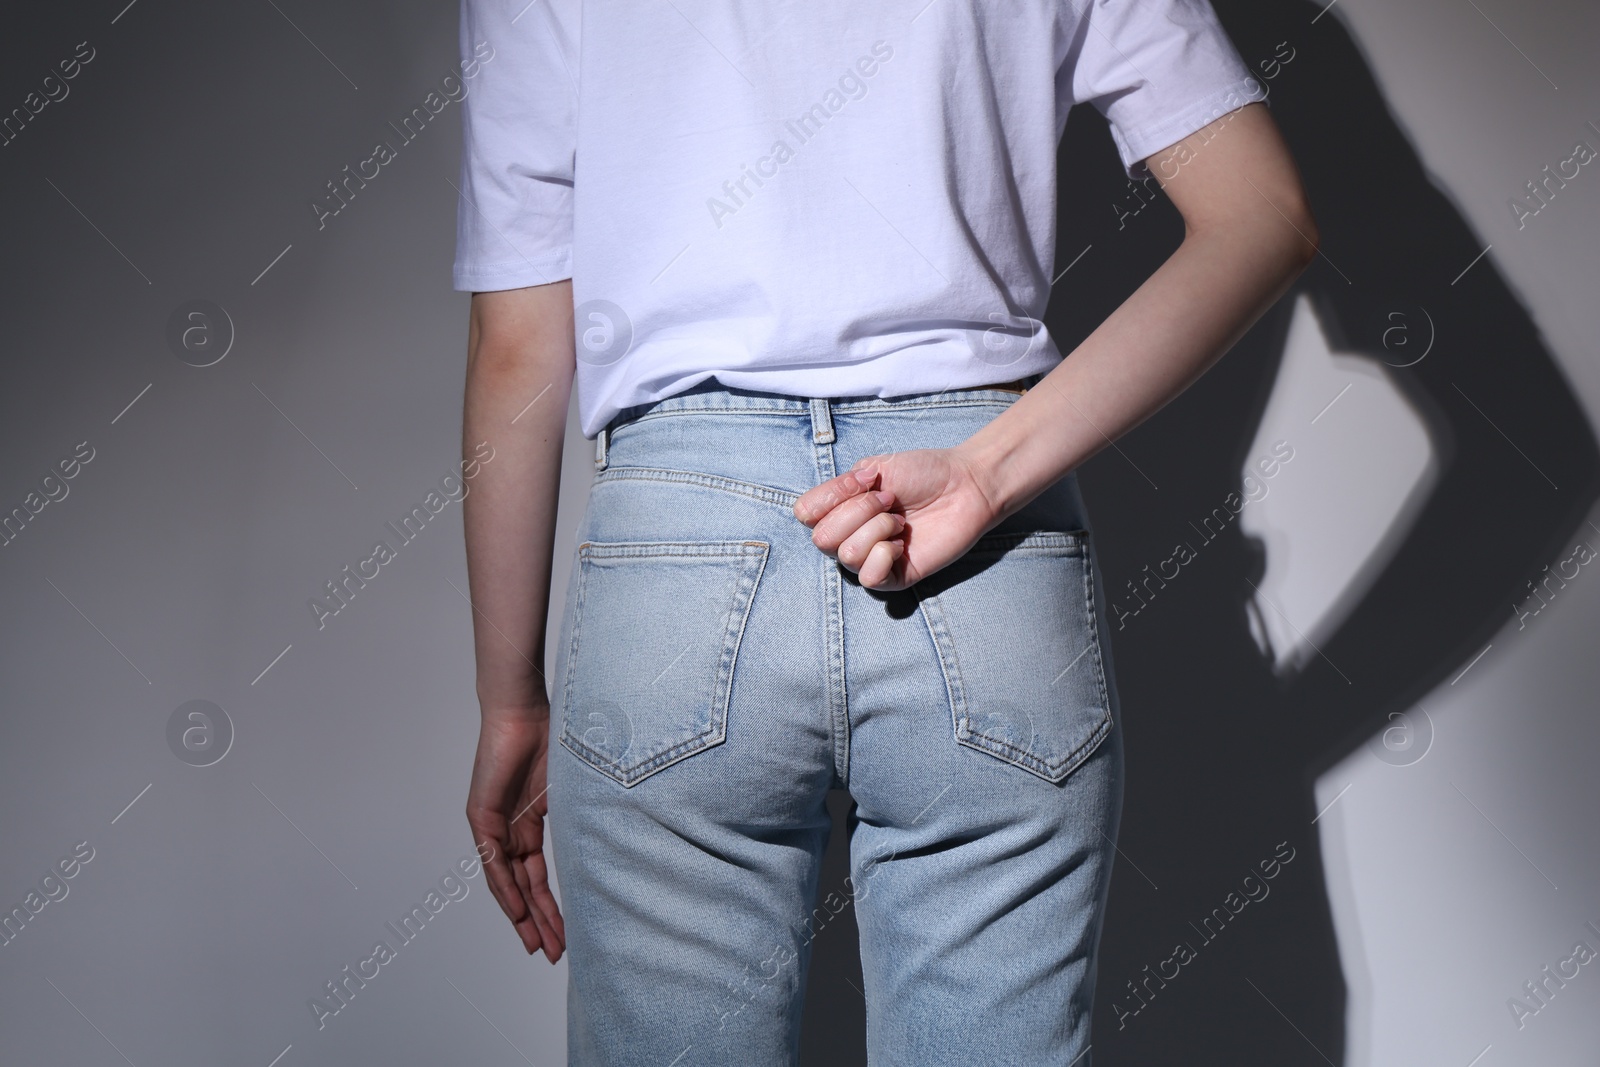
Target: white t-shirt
x: 805, y: 197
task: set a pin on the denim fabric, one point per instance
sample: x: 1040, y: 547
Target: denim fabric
x: 716, y: 674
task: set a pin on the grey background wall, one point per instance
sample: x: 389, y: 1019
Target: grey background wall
x: 1452, y: 852
x: 1458, y: 878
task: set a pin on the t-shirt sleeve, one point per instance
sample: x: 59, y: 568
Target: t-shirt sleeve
x: 518, y: 144
x: 1158, y: 70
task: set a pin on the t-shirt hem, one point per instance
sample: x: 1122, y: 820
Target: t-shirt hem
x: 553, y: 266
x: 900, y: 372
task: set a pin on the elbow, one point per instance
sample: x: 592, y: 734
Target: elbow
x: 1286, y: 243
x: 521, y: 332
x: 1308, y: 238
x: 1311, y: 242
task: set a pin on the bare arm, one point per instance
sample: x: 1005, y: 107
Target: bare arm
x: 1248, y: 235
x: 520, y: 364
x: 519, y: 352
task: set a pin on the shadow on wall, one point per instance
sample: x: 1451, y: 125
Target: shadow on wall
x: 1223, y: 753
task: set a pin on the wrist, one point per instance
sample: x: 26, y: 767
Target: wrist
x: 991, y: 456
x: 519, y: 709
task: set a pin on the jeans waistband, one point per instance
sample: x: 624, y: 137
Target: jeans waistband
x: 712, y: 396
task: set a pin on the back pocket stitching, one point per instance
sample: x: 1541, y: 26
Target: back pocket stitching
x: 750, y: 558
x: 1054, y: 544
x: 1089, y: 564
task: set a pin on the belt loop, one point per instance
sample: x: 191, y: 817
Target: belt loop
x: 821, y: 421
x: 600, y: 442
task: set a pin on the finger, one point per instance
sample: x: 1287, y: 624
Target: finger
x: 503, y: 885
x: 531, y: 878
x: 878, y: 570
x: 833, y: 529
x: 821, y: 499
x: 816, y: 502
x: 866, y: 469
x: 502, y: 874
x: 552, y: 915
x: 854, y: 550
x: 515, y: 907
x: 542, y: 896
x: 560, y: 924
x: 535, y: 930
x: 551, y: 925
x: 528, y: 931
x: 524, y: 888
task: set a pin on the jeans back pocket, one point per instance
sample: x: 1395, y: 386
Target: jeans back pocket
x: 1015, y: 627
x: 655, y: 633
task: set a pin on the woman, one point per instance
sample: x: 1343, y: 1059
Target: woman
x: 795, y: 259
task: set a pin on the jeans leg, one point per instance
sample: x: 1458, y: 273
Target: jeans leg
x: 986, y: 765
x: 979, y: 896
x: 687, y: 861
x: 685, y: 912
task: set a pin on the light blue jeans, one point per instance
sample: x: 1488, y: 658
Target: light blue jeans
x: 716, y: 674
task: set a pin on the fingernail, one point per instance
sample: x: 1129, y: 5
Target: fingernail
x: 884, y: 497
x: 865, y: 476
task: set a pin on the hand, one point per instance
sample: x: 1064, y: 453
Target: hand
x: 506, y: 806
x: 893, y: 519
